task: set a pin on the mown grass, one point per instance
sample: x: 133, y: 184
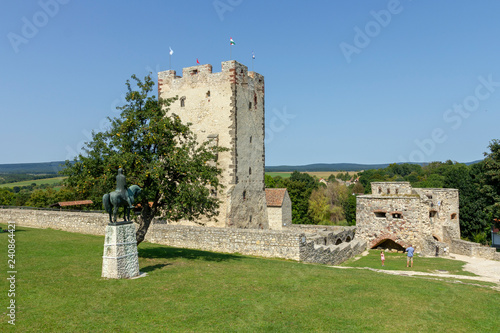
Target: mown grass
x: 38, y: 182
x: 59, y: 288
x: 397, y: 261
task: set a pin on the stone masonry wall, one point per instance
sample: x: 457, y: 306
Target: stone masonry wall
x: 302, y: 244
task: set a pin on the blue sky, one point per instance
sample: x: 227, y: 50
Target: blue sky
x: 346, y: 81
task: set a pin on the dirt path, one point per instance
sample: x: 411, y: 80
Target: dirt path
x: 486, y: 270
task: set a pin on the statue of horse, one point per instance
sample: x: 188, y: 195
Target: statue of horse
x: 114, y: 200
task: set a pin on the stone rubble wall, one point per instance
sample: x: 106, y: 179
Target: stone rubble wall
x: 471, y: 249
x: 299, y: 242
x: 264, y: 243
x: 331, y: 254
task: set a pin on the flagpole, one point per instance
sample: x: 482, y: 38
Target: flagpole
x: 169, y: 61
x: 230, y: 51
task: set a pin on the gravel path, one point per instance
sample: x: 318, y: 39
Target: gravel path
x: 488, y: 269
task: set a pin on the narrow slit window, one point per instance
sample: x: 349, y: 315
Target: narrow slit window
x: 183, y: 101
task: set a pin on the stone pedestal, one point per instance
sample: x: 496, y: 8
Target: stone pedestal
x: 120, y: 260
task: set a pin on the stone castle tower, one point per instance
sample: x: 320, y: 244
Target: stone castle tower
x: 227, y: 108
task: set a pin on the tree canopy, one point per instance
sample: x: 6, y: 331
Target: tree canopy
x: 178, y: 175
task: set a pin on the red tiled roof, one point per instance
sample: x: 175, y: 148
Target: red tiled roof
x: 275, y: 196
x: 75, y: 203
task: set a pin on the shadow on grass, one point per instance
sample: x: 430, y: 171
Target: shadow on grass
x: 171, y: 252
x: 153, y: 267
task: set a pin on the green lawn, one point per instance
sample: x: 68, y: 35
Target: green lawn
x: 59, y: 288
x: 397, y: 261
x: 38, y: 182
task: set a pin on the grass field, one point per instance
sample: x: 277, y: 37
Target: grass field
x: 319, y: 174
x: 59, y: 288
x: 397, y: 261
x: 38, y: 182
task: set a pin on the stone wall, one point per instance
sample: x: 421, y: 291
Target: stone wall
x: 471, y: 249
x: 264, y: 243
x: 81, y: 222
x: 320, y: 244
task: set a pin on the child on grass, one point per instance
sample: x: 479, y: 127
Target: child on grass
x: 382, y: 257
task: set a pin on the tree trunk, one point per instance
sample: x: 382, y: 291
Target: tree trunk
x: 145, y: 219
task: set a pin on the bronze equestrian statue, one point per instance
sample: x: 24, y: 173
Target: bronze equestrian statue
x: 122, y: 197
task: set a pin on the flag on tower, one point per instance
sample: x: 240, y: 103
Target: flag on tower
x: 253, y: 55
x: 197, y: 61
x: 231, y: 41
x: 171, y: 51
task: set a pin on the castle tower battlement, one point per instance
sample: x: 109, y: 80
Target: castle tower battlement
x: 227, y: 108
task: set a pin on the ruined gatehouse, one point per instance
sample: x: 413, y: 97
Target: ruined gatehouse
x: 396, y: 215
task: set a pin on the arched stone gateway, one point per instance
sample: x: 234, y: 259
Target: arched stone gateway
x: 387, y: 242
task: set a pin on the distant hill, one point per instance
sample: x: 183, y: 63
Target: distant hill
x: 35, y: 168
x: 325, y: 167
x: 335, y: 167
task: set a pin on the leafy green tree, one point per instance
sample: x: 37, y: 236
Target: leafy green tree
x: 6, y: 197
x: 158, y: 152
x: 350, y: 209
x: 42, y: 198
x: 491, y: 187
x: 473, y: 214
x: 269, y: 181
x: 319, y: 208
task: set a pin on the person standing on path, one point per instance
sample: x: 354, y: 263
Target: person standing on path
x: 382, y: 257
x: 409, y: 255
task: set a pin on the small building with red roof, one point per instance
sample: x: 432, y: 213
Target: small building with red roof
x: 279, y: 208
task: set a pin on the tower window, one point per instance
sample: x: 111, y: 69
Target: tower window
x: 255, y: 99
x: 208, y: 93
x: 379, y: 190
x: 388, y: 191
x: 249, y: 170
x: 250, y: 139
x: 183, y: 101
x: 249, y: 105
x: 244, y: 195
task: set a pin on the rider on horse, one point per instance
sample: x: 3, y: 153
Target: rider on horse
x: 121, y: 187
